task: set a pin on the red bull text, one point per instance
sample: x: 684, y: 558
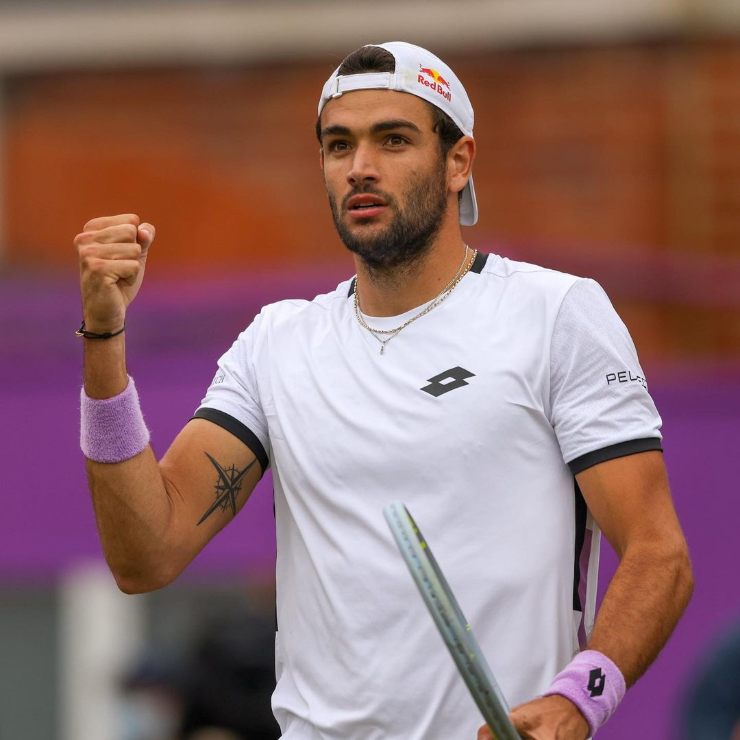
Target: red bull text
x: 432, y: 79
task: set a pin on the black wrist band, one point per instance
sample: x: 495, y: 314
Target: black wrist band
x: 82, y: 332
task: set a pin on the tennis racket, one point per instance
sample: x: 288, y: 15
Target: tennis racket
x: 451, y: 622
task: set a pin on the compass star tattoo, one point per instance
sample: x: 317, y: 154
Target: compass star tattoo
x: 228, y: 486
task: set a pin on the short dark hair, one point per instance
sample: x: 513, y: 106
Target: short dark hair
x: 368, y: 59
x: 376, y: 59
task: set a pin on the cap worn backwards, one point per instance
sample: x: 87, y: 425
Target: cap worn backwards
x: 420, y: 73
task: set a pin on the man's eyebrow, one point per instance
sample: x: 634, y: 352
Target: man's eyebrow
x: 394, y: 124
x: 376, y: 128
x: 335, y: 130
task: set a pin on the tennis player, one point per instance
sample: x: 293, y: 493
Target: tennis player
x: 503, y: 402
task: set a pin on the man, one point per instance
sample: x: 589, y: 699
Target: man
x: 470, y: 386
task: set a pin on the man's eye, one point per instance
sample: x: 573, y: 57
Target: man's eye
x: 396, y: 140
x: 338, y: 146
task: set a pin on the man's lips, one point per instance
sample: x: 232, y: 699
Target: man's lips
x: 365, y: 205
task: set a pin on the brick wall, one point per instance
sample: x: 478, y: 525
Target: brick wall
x: 619, y: 162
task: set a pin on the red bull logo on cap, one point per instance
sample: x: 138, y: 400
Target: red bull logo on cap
x: 432, y: 79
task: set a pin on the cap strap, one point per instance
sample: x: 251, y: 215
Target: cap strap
x: 365, y: 81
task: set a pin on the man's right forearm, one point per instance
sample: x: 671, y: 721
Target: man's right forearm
x: 132, y: 505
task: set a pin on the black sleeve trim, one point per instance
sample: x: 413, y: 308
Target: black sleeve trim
x: 241, y: 432
x: 581, y: 514
x: 478, y: 262
x: 622, y: 449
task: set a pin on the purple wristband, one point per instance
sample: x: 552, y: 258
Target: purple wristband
x: 594, y: 684
x: 112, y: 429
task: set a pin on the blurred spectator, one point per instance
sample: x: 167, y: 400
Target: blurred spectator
x: 152, y: 702
x: 220, y: 692
x: 230, y: 679
x: 711, y: 710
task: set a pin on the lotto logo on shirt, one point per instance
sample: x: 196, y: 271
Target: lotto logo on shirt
x: 432, y: 79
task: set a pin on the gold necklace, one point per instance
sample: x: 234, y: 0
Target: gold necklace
x: 464, y: 268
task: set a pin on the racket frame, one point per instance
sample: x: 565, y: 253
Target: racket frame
x: 450, y: 621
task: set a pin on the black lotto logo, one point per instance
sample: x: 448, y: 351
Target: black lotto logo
x: 625, y: 376
x: 455, y: 377
x: 596, y: 681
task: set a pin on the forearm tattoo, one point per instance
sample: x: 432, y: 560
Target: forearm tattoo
x: 227, y: 488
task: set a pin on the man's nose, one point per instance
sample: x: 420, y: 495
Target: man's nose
x: 364, y: 166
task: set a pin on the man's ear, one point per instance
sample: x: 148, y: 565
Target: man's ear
x: 321, y: 158
x: 460, y: 162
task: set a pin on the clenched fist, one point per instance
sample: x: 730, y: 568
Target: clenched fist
x: 112, y: 252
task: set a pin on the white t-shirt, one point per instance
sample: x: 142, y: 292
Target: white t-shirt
x: 476, y: 416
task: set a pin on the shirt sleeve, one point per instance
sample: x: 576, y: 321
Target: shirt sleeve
x: 233, y: 400
x: 599, y: 400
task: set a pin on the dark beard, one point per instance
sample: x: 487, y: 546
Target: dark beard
x: 412, y: 231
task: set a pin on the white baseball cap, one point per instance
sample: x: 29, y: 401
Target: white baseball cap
x: 420, y: 73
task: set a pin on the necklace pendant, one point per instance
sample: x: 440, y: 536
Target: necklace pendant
x: 382, y: 348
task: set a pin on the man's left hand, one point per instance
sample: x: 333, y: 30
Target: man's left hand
x: 547, y: 718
